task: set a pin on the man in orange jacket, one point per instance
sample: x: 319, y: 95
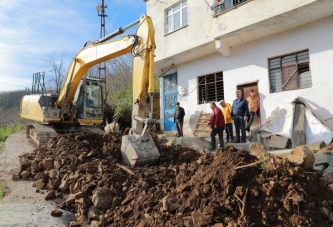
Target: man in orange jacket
x: 253, y: 103
x: 217, y: 124
x: 226, y: 110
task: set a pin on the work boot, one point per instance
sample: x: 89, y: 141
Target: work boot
x: 211, y: 149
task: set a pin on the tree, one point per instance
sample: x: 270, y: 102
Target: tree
x: 56, y: 65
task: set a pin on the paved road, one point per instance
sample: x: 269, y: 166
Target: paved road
x: 22, y: 206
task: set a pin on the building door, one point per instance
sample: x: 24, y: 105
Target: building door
x: 170, y: 91
x: 246, y: 88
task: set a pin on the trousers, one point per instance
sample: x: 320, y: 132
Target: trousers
x: 240, y: 126
x: 213, y: 133
x: 179, y: 125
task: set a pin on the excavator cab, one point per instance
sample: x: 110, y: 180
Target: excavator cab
x: 88, y: 101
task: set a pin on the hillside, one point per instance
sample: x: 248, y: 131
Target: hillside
x: 10, y: 107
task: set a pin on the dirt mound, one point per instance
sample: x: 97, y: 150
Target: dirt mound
x: 186, y: 188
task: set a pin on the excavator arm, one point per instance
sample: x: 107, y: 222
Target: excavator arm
x: 68, y: 108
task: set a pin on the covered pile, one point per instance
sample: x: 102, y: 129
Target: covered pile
x: 187, y: 188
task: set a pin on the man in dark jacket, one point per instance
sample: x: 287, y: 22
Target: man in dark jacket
x: 239, y: 113
x: 179, y: 119
x: 217, y: 124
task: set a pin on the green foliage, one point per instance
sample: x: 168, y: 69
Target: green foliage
x: 6, y: 131
x: 122, y: 99
x: 2, y: 190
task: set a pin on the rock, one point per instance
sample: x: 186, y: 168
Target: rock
x: 218, y: 225
x: 127, y: 212
x: 48, y: 163
x: 54, y: 183
x: 24, y: 155
x: 307, y: 155
x: 34, y: 167
x: 293, y: 172
x: 63, y: 186
x: 25, y: 175
x: 56, y: 213
x: 39, y: 175
x: 96, y: 224
x: 297, y: 159
x: 70, y: 199
x: 74, y: 224
x: 257, y: 149
x: 331, y: 216
x: 57, y: 164
x: 85, y: 142
x: 25, y: 163
x: 324, y: 211
x: 116, y: 202
x: 169, y: 204
x: 102, y: 198
x: 93, y: 213
x: 199, y: 219
x: 330, y: 187
x: 53, y: 173
x: 39, y: 185
x: 16, y: 177
x: 50, y: 195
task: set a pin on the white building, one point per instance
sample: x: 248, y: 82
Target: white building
x: 282, y: 48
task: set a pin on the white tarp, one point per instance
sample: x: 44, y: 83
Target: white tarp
x: 281, y: 123
x: 315, y: 130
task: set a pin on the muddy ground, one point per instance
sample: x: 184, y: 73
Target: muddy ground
x: 186, y: 188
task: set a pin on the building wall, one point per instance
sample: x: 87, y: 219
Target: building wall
x: 249, y: 63
x: 237, y: 25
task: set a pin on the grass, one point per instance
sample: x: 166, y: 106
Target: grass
x: 2, y: 190
x: 6, y: 131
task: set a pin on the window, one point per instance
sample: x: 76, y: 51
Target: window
x: 290, y: 72
x: 176, y: 17
x: 210, y: 88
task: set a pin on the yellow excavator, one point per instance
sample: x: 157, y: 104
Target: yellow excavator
x: 80, y: 101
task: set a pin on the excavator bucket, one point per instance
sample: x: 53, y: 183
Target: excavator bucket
x: 135, y: 152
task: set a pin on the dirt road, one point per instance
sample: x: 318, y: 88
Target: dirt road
x: 22, y: 206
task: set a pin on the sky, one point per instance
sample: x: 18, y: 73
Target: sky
x: 32, y: 30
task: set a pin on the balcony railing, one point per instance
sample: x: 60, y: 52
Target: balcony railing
x: 218, y: 8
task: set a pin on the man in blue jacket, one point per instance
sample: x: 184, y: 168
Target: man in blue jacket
x: 239, y: 113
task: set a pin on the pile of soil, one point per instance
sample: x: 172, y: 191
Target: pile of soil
x: 186, y: 188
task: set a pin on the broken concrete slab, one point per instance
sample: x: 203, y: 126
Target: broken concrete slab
x: 276, y: 141
x: 322, y: 159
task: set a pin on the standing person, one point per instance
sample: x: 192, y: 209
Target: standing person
x: 253, y: 103
x: 239, y: 114
x: 226, y: 110
x: 179, y: 119
x: 216, y: 123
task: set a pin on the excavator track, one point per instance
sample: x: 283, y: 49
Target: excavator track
x: 40, y: 133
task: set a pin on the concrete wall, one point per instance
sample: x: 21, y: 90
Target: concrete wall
x: 246, y: 22
x: 249, y: 63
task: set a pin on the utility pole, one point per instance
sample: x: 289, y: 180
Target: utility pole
x: 102, y: 67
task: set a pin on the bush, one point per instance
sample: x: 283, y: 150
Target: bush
x: 122, y: 99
